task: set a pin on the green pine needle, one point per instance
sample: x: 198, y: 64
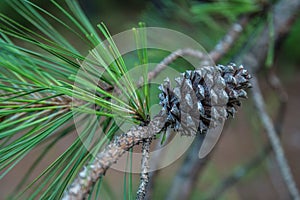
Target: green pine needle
x: 39, y: 98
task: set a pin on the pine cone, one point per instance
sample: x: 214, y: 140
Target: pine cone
x: 203, y: 98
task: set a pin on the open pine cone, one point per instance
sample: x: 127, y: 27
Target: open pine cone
x: 203, y: 98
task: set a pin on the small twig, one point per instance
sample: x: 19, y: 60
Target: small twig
x: 141, y: 193
x: 274, y: 139
x: 216, y: 54
x: 172, y: 57
x: 285, y: 13
x: 80, y: 187
x: 156, y: 159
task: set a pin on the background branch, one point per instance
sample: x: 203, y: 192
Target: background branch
x: 233, y: 178
x: 172, y: 57
x: 189, y: 172
x: 274, y: 140
x: 225, y: 44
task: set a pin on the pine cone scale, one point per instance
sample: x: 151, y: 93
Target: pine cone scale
x: 203, y: 98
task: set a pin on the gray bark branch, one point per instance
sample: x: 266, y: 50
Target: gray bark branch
x: 79, y: 189
x: 141, y: 193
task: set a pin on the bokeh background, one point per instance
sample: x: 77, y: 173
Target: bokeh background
x: 243, y: 137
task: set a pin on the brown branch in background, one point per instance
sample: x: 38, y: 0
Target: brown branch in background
x: 141, y: 193
x: 61, y: 100
x: 189, y: 172
x: 172, y: 57
x: 284, y: 14
x: 282, y: 95
x: 274, y: 139
x: 215, y: 55
x: 233, y: 178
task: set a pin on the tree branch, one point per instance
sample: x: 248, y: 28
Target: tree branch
x: 284, y: 14
x: 141, y: 193
x: 80, y: 187
x: 274, y: 139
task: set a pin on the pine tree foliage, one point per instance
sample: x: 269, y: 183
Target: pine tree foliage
x: 38, y: 98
